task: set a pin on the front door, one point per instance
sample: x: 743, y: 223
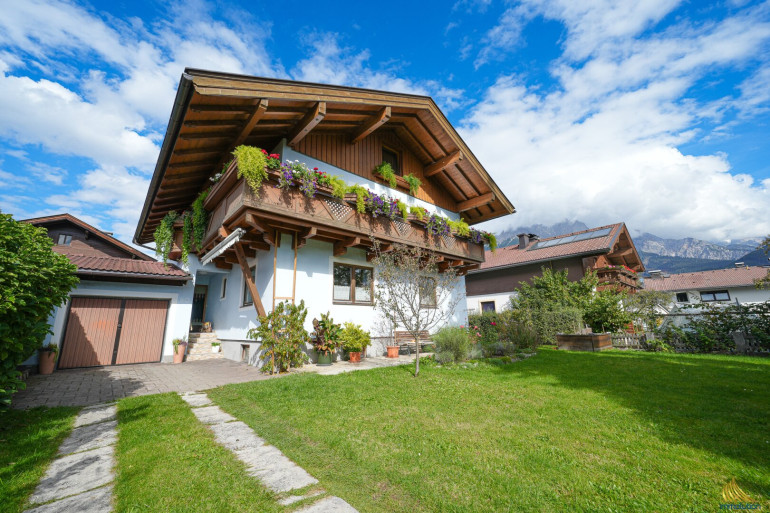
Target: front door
x: 199, y: 307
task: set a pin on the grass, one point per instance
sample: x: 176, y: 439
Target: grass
x: 29, y: 440
x: 612, y: 431
x: 168, y: 461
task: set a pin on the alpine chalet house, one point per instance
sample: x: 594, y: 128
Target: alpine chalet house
x: 607, y: 250
x: 298, y: 225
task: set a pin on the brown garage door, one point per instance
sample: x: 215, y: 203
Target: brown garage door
x: 109, y: 331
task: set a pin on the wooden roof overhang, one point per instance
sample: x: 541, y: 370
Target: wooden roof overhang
x: 623, y: 251
x: 215, y: 112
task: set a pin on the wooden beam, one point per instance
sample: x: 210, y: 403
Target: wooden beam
x: 304, y: 235
x: 372, y: 124
x: 476, y: 202
x: 624, y: 253
x: 267, y: 233
x: 306, y: 124
x: 222, y: 265
x: 341, y: 247
x: 259, y: 112
x: 192, y: 163
x: 249, y: 281
x: 440, y: 165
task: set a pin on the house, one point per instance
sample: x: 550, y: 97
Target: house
x: 127, y: 306
x: 736, y: 284
x: 608, y: 250
x: 272, y: 244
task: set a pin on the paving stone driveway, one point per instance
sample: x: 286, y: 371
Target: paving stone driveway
x: 81, y: 387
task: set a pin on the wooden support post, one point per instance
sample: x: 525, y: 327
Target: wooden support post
x: 249, y: 281
x: 309, y: 122
x: 371, y: 125
x: 442, y: 164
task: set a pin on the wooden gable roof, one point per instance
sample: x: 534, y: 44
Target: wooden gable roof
x: 215, y: 112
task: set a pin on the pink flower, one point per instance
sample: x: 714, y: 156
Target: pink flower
x: 462, y: 326
x: 494, y: 323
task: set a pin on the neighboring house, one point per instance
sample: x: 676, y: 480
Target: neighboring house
x: 127, y: 306
x: 719, y: 286
x: 608, y: 250
x: 283, y: 246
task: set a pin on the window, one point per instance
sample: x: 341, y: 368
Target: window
x: 715, y: 295
x: 353, y: 284
x: 247, y: 299
x: 393, y: 158
x: 681, y: 297
x: 64, y: 240
x: 487, y: 306
x: 224, y: 288
x: 427, y: 293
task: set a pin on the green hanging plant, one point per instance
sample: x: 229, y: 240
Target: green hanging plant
x: 418, y: 212
x: 164, y: 236
x: 339, y: 187
x: 403, y: 208
x: 414, y: 183
x: 187, y: 235
x: 251, y: 166
x: 361, y: 194
x: 460, y: 227
x: 200, y: 219
x: 385, y: 171
x: 491, y: 240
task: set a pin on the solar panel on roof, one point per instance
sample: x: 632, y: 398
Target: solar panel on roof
x: 572, y: 238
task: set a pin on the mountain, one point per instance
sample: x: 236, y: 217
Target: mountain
x: 669, y: 255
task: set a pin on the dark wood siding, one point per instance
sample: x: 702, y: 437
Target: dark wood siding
x: 507, y: 280
x: 81, y: 243
x: 363, y: 157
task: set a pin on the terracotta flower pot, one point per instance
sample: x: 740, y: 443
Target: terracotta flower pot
x: 179, y: 353
x: 355, y: 356
x: 392, y: 351
x: 46, y: 362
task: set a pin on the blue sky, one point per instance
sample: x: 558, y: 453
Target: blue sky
x: 653, y: 113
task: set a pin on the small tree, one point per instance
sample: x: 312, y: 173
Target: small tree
x: 33, y: 281
x: 605, y: 312
x: 282, y: 336
x: 647, y: 307
x: 412, y: 292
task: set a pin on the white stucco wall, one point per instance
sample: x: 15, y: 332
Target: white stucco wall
x: 502, y: 300
x: 177, y: 322
x: 748, y: 294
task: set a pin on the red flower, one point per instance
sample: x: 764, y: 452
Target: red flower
x: 315, y: 169
x: 264, y: 151
x: 494, y: 323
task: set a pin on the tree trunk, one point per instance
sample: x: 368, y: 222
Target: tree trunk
x: 416, y: 357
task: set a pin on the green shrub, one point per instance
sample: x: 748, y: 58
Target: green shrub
x: 454, y: 340
x: 354, y: 338
x: 516, y: 327
x: 282, y: 336
x: 33, y: 281
x: 548, y: 323
x: 444, y: 357
x: 487, y: 325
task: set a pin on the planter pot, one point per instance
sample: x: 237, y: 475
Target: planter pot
x: 46, y: 362
x: 324, y: 358
x: 215, y: 349
x: 392, y: 351
x: 179, y: 353
x: 589, y: 342
x: 355, y: 356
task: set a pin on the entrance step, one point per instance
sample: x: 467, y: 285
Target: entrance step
x: 199, y: 347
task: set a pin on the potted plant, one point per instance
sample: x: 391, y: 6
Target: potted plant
x: 215, y: 347
x: 326, y: 338
x: 180, y: 347
x: 355, y: 340
x: 46, y: 360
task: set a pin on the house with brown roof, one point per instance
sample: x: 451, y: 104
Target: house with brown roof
x: 736, y: 284
x: 282, y: 240
x: 607, y: 250
x: 127, y: 306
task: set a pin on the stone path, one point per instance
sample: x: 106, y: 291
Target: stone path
x: 265, y: 462
x: 80, y: 479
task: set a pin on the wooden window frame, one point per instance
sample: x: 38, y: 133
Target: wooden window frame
x: 352, y: 296
x: 714, y: 294
x: 67, y: 239
x: 253, y: 270
x: 435, y: 294
x: 399, y: 158
x: 494, y: 306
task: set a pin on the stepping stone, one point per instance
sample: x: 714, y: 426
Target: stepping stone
x: 90, y: 437
x: 76, y: 473
x: 95, y: 414
x: 212, y: 415
x: 236, y: 436
x: 329, y: 505
x: 291, y: 499
x: 284, y: 476
x: 95, y: 501
x: 258, y: 458
x: 195, y: 400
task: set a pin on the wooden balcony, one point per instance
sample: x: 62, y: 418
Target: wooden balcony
x: 617, y: 277
x: 232, y: 204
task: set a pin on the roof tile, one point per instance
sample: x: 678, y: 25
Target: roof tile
x: 125, y: 266
x: 733, y: 277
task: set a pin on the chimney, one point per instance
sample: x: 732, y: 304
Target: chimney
x: 525, y: 238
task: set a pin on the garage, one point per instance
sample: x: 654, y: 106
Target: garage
x: 113, y: 331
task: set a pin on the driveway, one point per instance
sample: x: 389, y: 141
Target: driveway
x: 81, y: 387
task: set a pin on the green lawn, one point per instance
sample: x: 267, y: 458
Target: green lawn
x: 613, y: 431
x: 28, y: 442
x: 168, y: 461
